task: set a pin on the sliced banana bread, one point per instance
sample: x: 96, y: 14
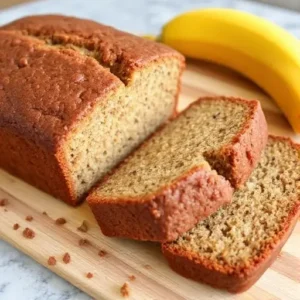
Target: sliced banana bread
x: 232, y: 248
x: 76, y: 97
x: 166, y: 186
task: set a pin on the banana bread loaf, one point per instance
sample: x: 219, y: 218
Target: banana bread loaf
x: 167, y: 185
x: 232, y: 248
x: 77, y: 97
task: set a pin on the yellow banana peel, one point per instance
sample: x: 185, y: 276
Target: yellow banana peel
x: 255, y: 47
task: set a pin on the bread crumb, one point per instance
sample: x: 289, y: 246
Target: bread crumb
x: 44, y: 213
x: 28, y: 233
x: 60, y: 221
x: 89, y: 275
x: 3, y: 202
x: 148, y: 267
x: 66, y: 258
x: 51, y: 261
x: 16, y: 226
x: 5, y: 210
x: 29, y: 218
x: 102, y: 253
x: 83, y: 242
x: 125, y: 290
x: 83, y: 227
x: 132, y: 278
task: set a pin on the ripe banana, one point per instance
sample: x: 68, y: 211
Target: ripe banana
x: 253, y: 46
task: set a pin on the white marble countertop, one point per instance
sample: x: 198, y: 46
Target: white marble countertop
x: 20, y: 276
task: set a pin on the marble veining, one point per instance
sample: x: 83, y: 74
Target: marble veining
x: 20, y: 276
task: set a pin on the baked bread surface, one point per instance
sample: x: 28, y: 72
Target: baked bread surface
x: 173, y: 180
x: 76, y: 98
x: 233, y: 247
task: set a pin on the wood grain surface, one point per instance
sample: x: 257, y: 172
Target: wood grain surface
x: 154, y: 279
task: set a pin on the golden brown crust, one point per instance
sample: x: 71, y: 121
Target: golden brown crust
x: 136, y: 217
x: 234, y: 279
x: 236, y: 160
x: 121, y: 52
x: 29, y: 161
x: 61, y: 87
x: 165, y: 215
x: 237, y: 280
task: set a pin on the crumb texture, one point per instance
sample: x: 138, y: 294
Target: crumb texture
x: 239, y: 233
x: 82, y: 95
x: 177, y: 148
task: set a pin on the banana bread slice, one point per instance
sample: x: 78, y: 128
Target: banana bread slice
x: 77, y: 97
x: 232, y: 248
x: 166, y: 186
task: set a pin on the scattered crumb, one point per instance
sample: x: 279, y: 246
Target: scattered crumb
x: 28, y: 233
x: 84, y: 242
x: 5, y: 210
x: 51, y: 261
x: 29, y: 218
x: 132, y: 278
x: 3, y: 202
x: 148, y: 267
x: 16, y: 226
x: 66, y: 258
x: 44, y: 213
x: 125, y: 290
x: 60, y: 221
x: 102, y: 253
x: 89, y: 275
x: 83, y: 227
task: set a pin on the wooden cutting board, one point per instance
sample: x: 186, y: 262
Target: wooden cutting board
x: 154, y: 279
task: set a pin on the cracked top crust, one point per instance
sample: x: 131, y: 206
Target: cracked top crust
x: 54, y: 69
x: 119, y: 51
x: 44, y: 90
